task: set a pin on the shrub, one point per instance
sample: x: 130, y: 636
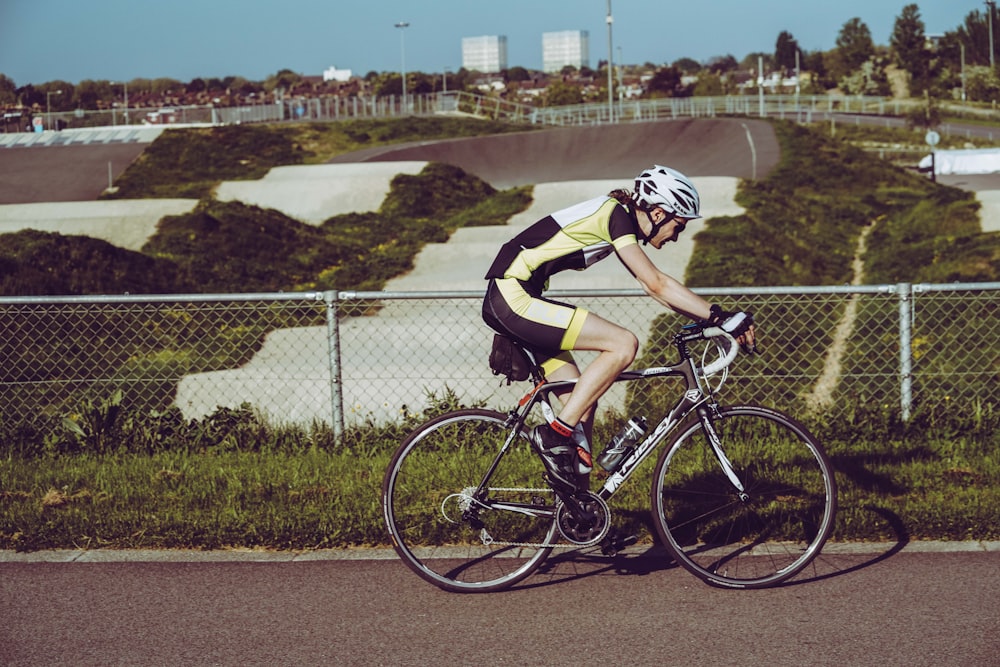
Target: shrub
x: 233, y: 247
x: 34, y: 263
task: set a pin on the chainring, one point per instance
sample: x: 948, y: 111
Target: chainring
x: 587, y: 527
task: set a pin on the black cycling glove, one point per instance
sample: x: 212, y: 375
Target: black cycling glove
x: 735, y: 324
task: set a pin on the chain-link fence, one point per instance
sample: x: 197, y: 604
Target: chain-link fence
x: 348, y: 358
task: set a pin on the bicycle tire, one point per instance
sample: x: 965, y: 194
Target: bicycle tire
x: 427, y: 487
x: 763, y: 539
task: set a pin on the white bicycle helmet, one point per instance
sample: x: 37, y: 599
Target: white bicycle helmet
x: 668, y: 189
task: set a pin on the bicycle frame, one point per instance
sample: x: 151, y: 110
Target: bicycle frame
x: 695, y: 397
x: 741, y: 496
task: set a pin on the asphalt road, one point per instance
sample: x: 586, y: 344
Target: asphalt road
x: 906, y: 608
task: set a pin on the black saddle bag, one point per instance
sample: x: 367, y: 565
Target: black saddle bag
x: 509, y: 360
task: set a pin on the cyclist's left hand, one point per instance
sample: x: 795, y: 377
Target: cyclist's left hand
x: 748, y: 341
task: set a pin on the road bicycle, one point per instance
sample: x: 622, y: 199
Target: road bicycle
x: 742, y: 496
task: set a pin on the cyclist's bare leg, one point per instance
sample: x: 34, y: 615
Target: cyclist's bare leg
x: 572, y: 372
x: 617, y: 347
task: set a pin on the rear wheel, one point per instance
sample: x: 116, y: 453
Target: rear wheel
x: 770, y: 531
x: 447, y: 533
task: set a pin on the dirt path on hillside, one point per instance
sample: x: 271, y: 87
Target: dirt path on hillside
x: 821, y: 397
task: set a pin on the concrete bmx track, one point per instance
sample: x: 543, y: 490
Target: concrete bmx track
x: 564, y: 165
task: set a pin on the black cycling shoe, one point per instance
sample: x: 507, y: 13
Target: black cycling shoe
x: 558, y: 453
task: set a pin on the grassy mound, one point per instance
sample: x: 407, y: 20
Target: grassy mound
x: 34, y: 263
x: 803, y: 221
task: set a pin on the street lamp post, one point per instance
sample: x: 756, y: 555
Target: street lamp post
x: 991, y: 5
x: 402, y: 25
x: 48, y: 106
x: 611, y: 104
x: 125, y: 96
x: 621, y: 83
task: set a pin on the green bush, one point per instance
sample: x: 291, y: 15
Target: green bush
x: 233, y: 247
x: 439, y: 190
x: 190, y: 162
x: 34, y: 263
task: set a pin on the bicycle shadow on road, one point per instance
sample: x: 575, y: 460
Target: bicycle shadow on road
x: 841, y: 558
x: 583, y: 563
x: 835, y: 560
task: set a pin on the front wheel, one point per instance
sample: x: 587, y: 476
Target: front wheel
x: 750, y: 537
x: 447, y: 529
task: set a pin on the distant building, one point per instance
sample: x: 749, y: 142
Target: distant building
x: 334, y: 74
x: 568, y: 47
x: 487, y: 54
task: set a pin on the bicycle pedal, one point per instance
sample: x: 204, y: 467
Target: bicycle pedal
x: 613, y: 544
x: 628, y: 541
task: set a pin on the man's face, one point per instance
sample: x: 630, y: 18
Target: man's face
x: 670, y: 231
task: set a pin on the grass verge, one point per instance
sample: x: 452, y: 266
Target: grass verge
x: 292, y: 488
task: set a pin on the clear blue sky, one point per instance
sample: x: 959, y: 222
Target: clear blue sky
x: 72, y: 40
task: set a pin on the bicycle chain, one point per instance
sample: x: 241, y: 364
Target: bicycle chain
x: 536, y: 545
x: 487, y: 541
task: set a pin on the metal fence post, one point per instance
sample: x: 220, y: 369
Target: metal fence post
x: 333, y: 355
x: 905, y: 295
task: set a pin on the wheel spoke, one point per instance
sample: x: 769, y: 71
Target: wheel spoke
x: 445, y: 532
x: 765, y: 538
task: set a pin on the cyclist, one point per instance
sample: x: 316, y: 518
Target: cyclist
x: 663, y: 203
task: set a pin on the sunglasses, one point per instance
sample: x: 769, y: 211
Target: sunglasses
x: 681, y: 222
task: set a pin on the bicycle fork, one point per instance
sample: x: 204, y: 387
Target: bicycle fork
x: 704, y: 414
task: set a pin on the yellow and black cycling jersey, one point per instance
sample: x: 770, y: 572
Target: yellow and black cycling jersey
x: 572, y: 238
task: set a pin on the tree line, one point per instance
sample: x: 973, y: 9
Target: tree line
x: 957, y: 64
